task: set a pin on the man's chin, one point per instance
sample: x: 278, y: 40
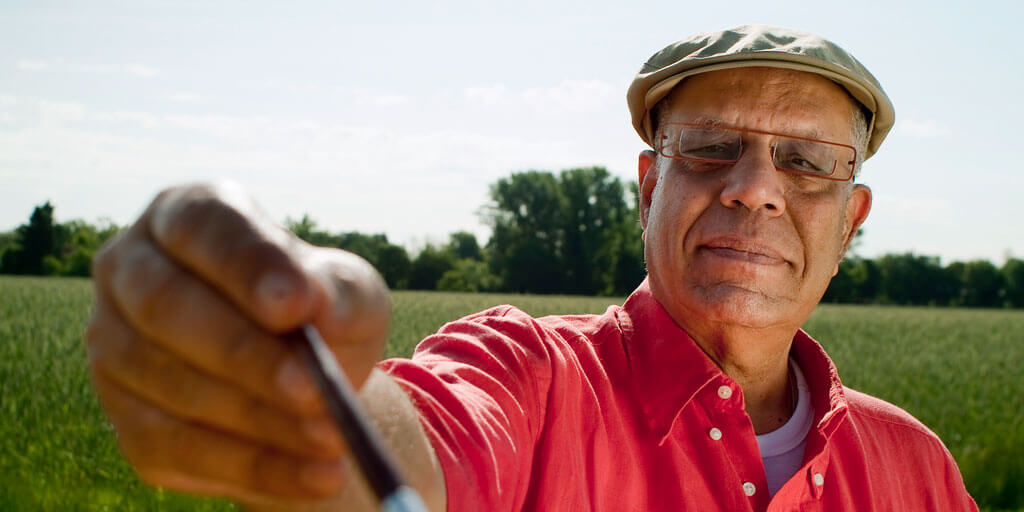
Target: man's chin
x: 742, y: 306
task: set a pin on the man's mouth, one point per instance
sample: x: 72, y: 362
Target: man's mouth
x: 742, y: 250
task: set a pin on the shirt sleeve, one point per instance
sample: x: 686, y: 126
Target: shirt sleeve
x: 952, y: 482
x: 480, y: 385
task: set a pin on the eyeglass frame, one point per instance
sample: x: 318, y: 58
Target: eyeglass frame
x: 715, y: 161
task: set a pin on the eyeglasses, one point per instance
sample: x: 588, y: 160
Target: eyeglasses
x: 722, y: 145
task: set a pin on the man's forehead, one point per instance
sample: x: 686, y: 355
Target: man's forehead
x: 758, y: 95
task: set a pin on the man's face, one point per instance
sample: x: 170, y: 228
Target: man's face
x: 745, y: 244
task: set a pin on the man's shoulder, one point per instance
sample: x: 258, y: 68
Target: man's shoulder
x: 568, y: 327
x: 877, y: 414
x: 903, y: 452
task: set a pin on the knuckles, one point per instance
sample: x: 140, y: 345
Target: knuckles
x: 181, y: 212
x: 146, y: 284
x: 361, y: 305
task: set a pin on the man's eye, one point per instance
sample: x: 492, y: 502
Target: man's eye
x: 797, y: 162
x: 710, y: 151
x: 805, y: 156
x: 806, y: 164
x: 712, y: 146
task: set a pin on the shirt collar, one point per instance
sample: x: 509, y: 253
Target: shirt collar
x: 669, y: 369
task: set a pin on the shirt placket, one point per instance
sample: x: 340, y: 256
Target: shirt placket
x: 733, y: 435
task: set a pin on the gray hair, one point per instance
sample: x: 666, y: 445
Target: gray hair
x: 860, y: 135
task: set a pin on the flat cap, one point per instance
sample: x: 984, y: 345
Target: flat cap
x: 754, y: 46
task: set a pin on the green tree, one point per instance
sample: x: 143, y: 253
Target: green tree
x: 35, y: 241
x: 428, y: 267
x: 463, y: 245
x: 394, y: 265
x: 306, y: 229
x: 594, y: 212
x: 857, y: 282
x: 843, y: 287
x: 629, y: 269
x: 8, y: 242
x: 913, y: 279
x: 575, y: 233
x: 83, y: 240
x: 392, y: 261
x: 952, y: 282
x: 1013, y: 277
x: 469, y: 275
x: 982, y: 284
x: 389, y: 259
x: 868, y: 280
x: 527, y: 238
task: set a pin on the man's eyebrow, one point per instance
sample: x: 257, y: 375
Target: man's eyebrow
x: 713, y: 122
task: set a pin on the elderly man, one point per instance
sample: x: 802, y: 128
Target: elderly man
x: 701, y: 392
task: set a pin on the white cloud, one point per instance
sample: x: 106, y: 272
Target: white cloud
x: 143, y: 71
x: 222, y: 127
x: 184, y: 97
x: 62, y: 66
x: 60, y: 112
x: 923, y: 129
x: 144, y: 119
x: 8, y: 101
x: 31, y: 65
x: 573, y: 96
x: 486, y: 95
x: 348, y: 177
x: 378, y: 98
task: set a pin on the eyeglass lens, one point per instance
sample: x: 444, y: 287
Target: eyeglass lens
x: 725, y: 145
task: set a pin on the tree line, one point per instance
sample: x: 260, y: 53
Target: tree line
x: 574, y: 232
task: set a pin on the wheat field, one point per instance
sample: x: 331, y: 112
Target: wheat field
x: 957, y: 370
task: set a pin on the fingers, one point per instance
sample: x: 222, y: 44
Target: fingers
x: 218, y: 233
x: 215, y: 235
x: 162, y: 379
x: 174, y: 309
x: 356, y: 323
x: 189, y: 457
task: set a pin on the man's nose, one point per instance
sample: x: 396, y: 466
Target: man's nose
x: 754, y: 183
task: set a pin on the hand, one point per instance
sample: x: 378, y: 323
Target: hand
x: 185, y: 351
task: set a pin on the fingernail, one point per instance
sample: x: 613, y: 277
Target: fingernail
x: 323, y: 477
x: 294, y: 383
x: 323, y: 433
x: 275, y: 287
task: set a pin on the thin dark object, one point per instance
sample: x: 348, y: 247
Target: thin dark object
x: 366, y: 446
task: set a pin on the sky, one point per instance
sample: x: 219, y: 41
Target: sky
x: 395, y: 117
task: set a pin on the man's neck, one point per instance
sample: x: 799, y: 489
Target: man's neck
x: 758, y: 360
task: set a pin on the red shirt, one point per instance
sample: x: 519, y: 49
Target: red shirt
x: 613, y: 412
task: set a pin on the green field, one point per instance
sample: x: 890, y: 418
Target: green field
x: 957, y: 370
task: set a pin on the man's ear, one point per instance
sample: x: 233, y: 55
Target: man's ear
x: 648, y: 178
x: 857, y: 209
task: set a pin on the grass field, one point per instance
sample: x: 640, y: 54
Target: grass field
x: 956, y: 370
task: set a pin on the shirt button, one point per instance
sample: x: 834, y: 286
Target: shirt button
x: 749, y: 489
x: 715, y: 434
x: 818, y: 479
x: 724, y: 392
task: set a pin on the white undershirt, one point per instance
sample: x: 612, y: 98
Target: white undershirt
x: 782, y: 450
